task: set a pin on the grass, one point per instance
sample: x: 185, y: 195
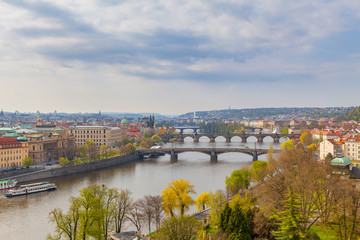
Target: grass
x: 325, y: 233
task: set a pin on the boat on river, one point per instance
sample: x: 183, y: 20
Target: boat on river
x: 30, y: 188
x: 7, y: 184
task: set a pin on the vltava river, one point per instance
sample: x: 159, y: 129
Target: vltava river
x: 26, y: 217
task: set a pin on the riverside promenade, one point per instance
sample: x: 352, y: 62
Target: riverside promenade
x: 59, y: 171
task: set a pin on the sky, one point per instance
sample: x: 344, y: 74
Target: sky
x: 175, y: 56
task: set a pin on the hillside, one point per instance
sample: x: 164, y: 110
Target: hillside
x: 352, y: 115
x: 272, y: 113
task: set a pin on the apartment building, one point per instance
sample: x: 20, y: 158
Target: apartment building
x: 352, y: 147
x: 13, y: 151
x: 100, y: 135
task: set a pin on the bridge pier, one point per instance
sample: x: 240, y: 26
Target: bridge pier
x: 173, y: 156
x: 255, y: 156
x: 276, y: 140
x: 212, y: 139
x: 260, y: 139
x: 213, y: 156
x: 228, y: 139
x: 243, y: 139
x: 196, y: 139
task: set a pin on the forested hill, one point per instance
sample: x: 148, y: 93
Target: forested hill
x: 352, y: 115
x: 262, y: 113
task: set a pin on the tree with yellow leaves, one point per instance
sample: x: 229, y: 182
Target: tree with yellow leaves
x: 202, y: 201
x: 176, y: 196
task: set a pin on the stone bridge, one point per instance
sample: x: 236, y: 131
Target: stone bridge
x: 244, y: 136
x: 213, y: 152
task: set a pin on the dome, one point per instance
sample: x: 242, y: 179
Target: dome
x: 125, y: 121
x: 22, y: 139
x: 35, y: 136
x: 340, y: 161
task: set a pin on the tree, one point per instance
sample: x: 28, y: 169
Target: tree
x: 238, y: 180
x: 258, y: 170
x: 135, y: 215
x: 176, y: 195
x: 179, y: 228
x: 290, y: 221
x: 66, y: 224
x: 104, y: 151
x: 91, y: 149
x: 285, y: 130
x: 28, y: 161
x: 147, y: 211
x: 156, y: 204
x: 202, y: 201
x: 123, y: 206
x: 63, y: 161
x: 305, y: 139
x: 288, y: 145
x: 216, y: 206
x: 156, y: 138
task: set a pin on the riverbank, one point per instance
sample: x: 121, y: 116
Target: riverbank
x: 75, y: 169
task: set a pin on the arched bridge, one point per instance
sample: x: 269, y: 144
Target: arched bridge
x: 213, y: 152
x: 244, y: 136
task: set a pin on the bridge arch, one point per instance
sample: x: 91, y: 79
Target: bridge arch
x: 204, y: 139
x: 236, y: 139
x: 268, y: 139
x: 252, y: 139
x: 189, y: 139
x: 284, y: 139
x: 220, y: 139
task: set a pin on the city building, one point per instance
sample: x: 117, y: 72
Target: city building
x: 352, y: 147
x: 51, y: 147
x: 335, y: 148
x: 13, y: 151
x: 100, y: 135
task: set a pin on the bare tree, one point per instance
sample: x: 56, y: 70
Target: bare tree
x: 123, y: 207
x: 135, y: 215
x: 156, y: 203
x: 147, y: 211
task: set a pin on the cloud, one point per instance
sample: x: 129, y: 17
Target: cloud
x: 233, y: 42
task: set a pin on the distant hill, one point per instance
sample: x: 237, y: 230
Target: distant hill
x: 352, y: 115
x: 274, y: 113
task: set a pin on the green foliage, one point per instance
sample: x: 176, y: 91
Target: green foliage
x: 290, y: 220
x: 156, y: 138
x: 233, y: 222
x: 28, y: 161
x: 258, y: 170
x: 216, y: 202
x: 238, y: 180
x: 179, y: 228
x: 64, y: 161
x: 352, y: 115
x: 285, y: 130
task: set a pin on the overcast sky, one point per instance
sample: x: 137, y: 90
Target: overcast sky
x: 175, y: 56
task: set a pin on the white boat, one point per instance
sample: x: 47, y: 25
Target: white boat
x: 30, y: 188
x: 7, y: 184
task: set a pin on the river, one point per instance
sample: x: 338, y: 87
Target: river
x: 26, y: 217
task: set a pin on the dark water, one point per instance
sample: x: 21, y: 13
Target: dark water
x: 26, y: 217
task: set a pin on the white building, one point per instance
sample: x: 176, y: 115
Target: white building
x: 331, y: 146
x: 352, y: 147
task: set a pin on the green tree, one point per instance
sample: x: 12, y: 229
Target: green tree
x: 238, y: 180
x: 64, y: 161
x: 179, y: 228
x: 104, y: 151
x: 216, y: 206
x: 202, y: 201
x: 290, y: 220
x: 67, y: 224
x: 28, y: 161
x: 156, y: 138
x: 225, y: 217
x: 177, y: 196
x: 258, y: 170
x: 285, y: 130
x: 237, y: 226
